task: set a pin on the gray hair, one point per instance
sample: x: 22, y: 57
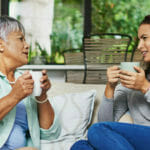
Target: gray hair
x: 9, y: 24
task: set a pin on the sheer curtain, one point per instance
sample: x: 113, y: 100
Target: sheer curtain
x: 37, y: 18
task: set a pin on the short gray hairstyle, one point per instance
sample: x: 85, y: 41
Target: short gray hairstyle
x: 9, y: 24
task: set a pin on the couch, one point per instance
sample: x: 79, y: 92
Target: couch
x: 77, y: 106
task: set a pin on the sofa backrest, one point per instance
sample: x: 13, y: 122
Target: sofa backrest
x: 60, y: 88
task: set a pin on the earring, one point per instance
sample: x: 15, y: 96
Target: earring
x: 1, y: 49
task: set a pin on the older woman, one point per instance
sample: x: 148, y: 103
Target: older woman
x: 23, y: 121
x: 133, y: 96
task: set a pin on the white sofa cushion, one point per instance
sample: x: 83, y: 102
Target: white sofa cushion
x: 75, y: 112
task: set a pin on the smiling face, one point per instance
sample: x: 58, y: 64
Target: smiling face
x: 16, y: 48
x: 144, y: 41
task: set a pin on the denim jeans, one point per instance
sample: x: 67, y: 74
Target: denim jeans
x: 115, y: 136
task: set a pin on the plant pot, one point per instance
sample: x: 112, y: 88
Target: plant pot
x: 38, y: 60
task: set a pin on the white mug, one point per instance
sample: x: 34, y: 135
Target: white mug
x: 36, y: 76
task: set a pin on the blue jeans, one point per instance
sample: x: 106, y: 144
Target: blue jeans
x: 115, y: 136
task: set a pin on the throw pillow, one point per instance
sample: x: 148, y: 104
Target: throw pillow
x: 75, y: 113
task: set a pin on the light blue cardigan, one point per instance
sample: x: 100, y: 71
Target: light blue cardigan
x: 35, y: 131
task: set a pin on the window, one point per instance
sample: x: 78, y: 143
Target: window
x: 51, y: 26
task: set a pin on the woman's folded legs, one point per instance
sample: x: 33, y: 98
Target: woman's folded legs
x: 115, y: 135
x: 119, y: 136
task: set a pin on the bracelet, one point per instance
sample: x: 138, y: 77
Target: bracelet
x: 41, y: 102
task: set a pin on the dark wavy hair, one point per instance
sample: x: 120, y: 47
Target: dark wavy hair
x: 146, y: 20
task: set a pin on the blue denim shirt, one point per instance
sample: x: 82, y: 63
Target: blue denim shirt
x: 19, y: 130
x: 36, y: 133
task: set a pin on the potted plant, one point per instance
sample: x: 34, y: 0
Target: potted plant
x: 37, y: 56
